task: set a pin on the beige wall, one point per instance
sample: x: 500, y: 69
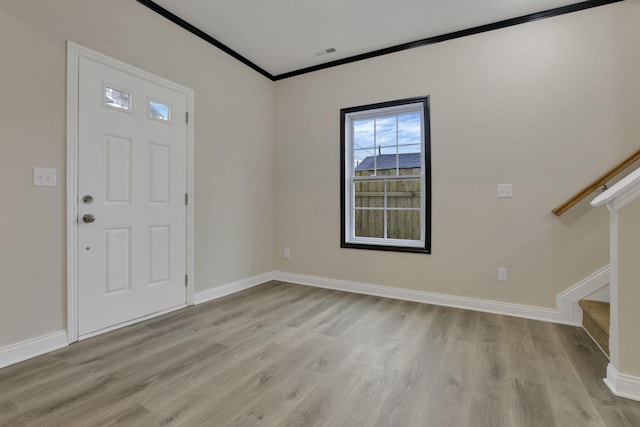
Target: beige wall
x: 233, y: 141
x: 547, y: 106
x: 629, y: 288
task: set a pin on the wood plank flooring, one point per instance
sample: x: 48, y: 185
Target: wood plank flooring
x: 288, y: 355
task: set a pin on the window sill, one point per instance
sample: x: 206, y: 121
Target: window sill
x: 387, y: 248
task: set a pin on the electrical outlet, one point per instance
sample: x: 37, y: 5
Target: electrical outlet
x: 287, y: 253
x: 505, y: 190
x: 502, y: 274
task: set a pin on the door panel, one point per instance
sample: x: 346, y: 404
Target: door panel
x: 132, y: 161
x: 159, y: 254
x: 117, y: 256
x: 117, y: 179
x: 160, y: 168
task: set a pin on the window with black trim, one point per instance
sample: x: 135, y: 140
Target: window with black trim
x: 386, y: 177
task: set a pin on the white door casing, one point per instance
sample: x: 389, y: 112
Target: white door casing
x: 132, y: 261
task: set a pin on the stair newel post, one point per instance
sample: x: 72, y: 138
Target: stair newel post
x: 623, y: 372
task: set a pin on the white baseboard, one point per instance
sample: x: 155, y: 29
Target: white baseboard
x: 568, y: 300
x: 231, y: 288
x: 564, y: 314
x: 622, y: 385
x: 487, y: 306
x: 24, y: 350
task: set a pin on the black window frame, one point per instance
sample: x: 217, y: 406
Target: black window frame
x: 344, y: 169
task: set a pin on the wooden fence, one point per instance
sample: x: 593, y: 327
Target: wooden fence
x: 400, y: 194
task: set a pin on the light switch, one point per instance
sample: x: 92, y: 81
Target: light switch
x: 505, y: 190
x: 44, y: 177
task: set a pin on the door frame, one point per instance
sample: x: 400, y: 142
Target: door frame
x: 74, y: 53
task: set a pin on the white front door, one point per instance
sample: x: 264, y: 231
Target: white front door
x: 132, y: 183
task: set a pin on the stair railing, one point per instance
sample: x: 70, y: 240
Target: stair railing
x: 598, y: 183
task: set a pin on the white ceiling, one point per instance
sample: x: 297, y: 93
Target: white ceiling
x: 283, y: 35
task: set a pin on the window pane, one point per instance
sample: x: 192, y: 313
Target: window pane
x: 404, y: 194
x: 409, y: 148
x: 409, y: 143
x: 363, y: 131
x: 369, y: 194
x: 409, y: 128
x: 365, y: 164
x: 403, y: 225
x: 386, y: 144
x: 159, y: 111
x: 117, y: 98
x: 369, y: 223
x: 386, y: 135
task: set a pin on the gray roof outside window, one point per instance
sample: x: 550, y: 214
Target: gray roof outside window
x: 388, y: 161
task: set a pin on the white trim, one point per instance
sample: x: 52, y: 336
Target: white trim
x: 622, y: 385
x: 33, y: 347
x: 74, y: 52
x: 486, y: 306
x: 568, y: 300
x: 617, y: 197
x: 190, y: 264
x: 614, y: 330
x: 621, y: 193
x: 232, y: 288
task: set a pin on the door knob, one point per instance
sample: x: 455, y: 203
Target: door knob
x: 88, y: 218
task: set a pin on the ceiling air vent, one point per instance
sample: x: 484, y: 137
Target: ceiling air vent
x: 325, y: 51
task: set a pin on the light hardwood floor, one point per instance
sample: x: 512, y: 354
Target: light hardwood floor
x: 289, y: 355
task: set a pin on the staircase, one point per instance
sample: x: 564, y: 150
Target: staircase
x: 595, y: 319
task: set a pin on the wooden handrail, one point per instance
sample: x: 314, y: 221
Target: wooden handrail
x: 596, y: 184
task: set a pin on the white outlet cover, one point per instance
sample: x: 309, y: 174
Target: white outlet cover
x: 44, y: 177
x: 505, y: 190
x: 502, y: 274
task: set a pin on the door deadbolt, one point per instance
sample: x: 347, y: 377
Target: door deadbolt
x: 88, y: 218
x: 87, y: 199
